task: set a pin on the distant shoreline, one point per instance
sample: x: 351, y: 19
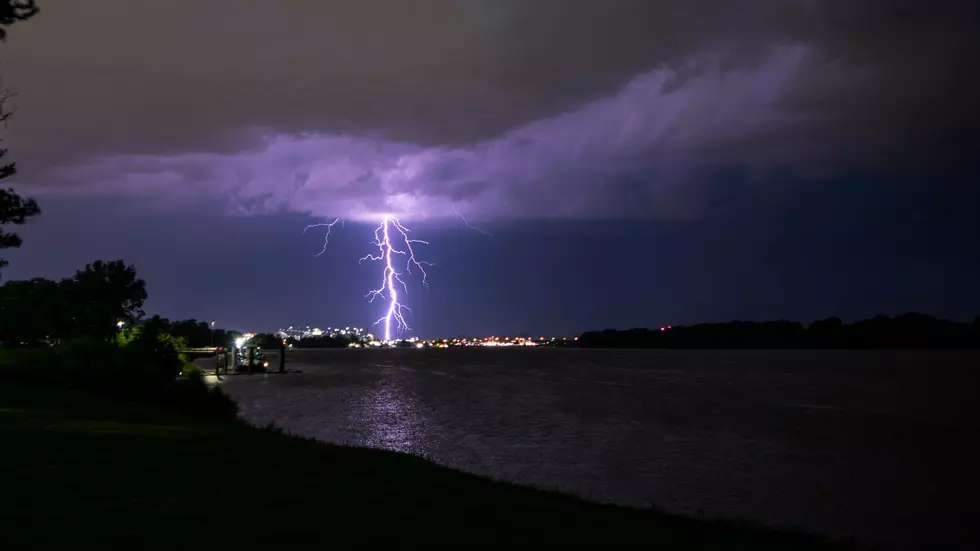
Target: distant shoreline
x: 910, y: 331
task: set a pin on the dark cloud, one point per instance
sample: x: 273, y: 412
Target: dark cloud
x: 180, y: 74
x: 508, y: 107
x: 551, y: 167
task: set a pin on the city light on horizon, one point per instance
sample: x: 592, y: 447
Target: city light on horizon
x: 358, y: 338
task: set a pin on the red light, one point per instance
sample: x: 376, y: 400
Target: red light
x: 663, y: 328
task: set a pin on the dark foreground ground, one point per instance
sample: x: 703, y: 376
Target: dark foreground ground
x: 77, y: 469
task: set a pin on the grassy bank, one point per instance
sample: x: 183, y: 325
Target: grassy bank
x: 79, y: 468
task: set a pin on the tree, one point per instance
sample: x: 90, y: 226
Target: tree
x: 266, y: 340
x: 31, y: 312
x: 196, y: 333
x: 13, y: 11
x: 13, y: 208
x: 103, y: 294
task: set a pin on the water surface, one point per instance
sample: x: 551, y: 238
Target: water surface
x: 873, y: 445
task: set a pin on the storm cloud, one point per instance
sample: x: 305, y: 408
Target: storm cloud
x: 523, y: 109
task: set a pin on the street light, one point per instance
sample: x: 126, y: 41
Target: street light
x: 119, y: 324
x: 212, y: 334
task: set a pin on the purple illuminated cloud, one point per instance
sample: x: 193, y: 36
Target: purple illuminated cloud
x: 571, y: 165
x: 509, y: 108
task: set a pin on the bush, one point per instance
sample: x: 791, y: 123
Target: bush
x: 190, y: 369
x: 145, y: 367
x: 27, y: 365
x: 155, y: 354
x: 84, y: 363
x: 192, y: 394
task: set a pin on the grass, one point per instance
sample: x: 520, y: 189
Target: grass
x: 78, y: 468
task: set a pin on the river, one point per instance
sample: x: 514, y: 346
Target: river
x: 875, y: 446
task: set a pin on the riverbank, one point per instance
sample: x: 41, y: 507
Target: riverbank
x: 82, y: 468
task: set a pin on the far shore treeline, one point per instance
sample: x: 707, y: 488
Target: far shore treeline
x: 907, y: 331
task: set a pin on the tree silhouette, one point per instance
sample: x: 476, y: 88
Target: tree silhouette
x: 907, y: 331
x: 103, y: 294
x: 13, y: 208
x: 31, y: 312
x: 13, y: 11
x: 88, y: 305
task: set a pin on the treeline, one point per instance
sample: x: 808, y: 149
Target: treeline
x: 193, y: 333
x: 86, y: 332
x: 907, y: 331
x: 98, y: 302
x: 91, y: 304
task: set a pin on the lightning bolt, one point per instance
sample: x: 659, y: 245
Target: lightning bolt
x: 387, y: 253
x: 463, y: 218
x: 326, y: 238
x: 394, y: 244
x: 392, y: 239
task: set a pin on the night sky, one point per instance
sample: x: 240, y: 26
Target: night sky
x: 637, y: 163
